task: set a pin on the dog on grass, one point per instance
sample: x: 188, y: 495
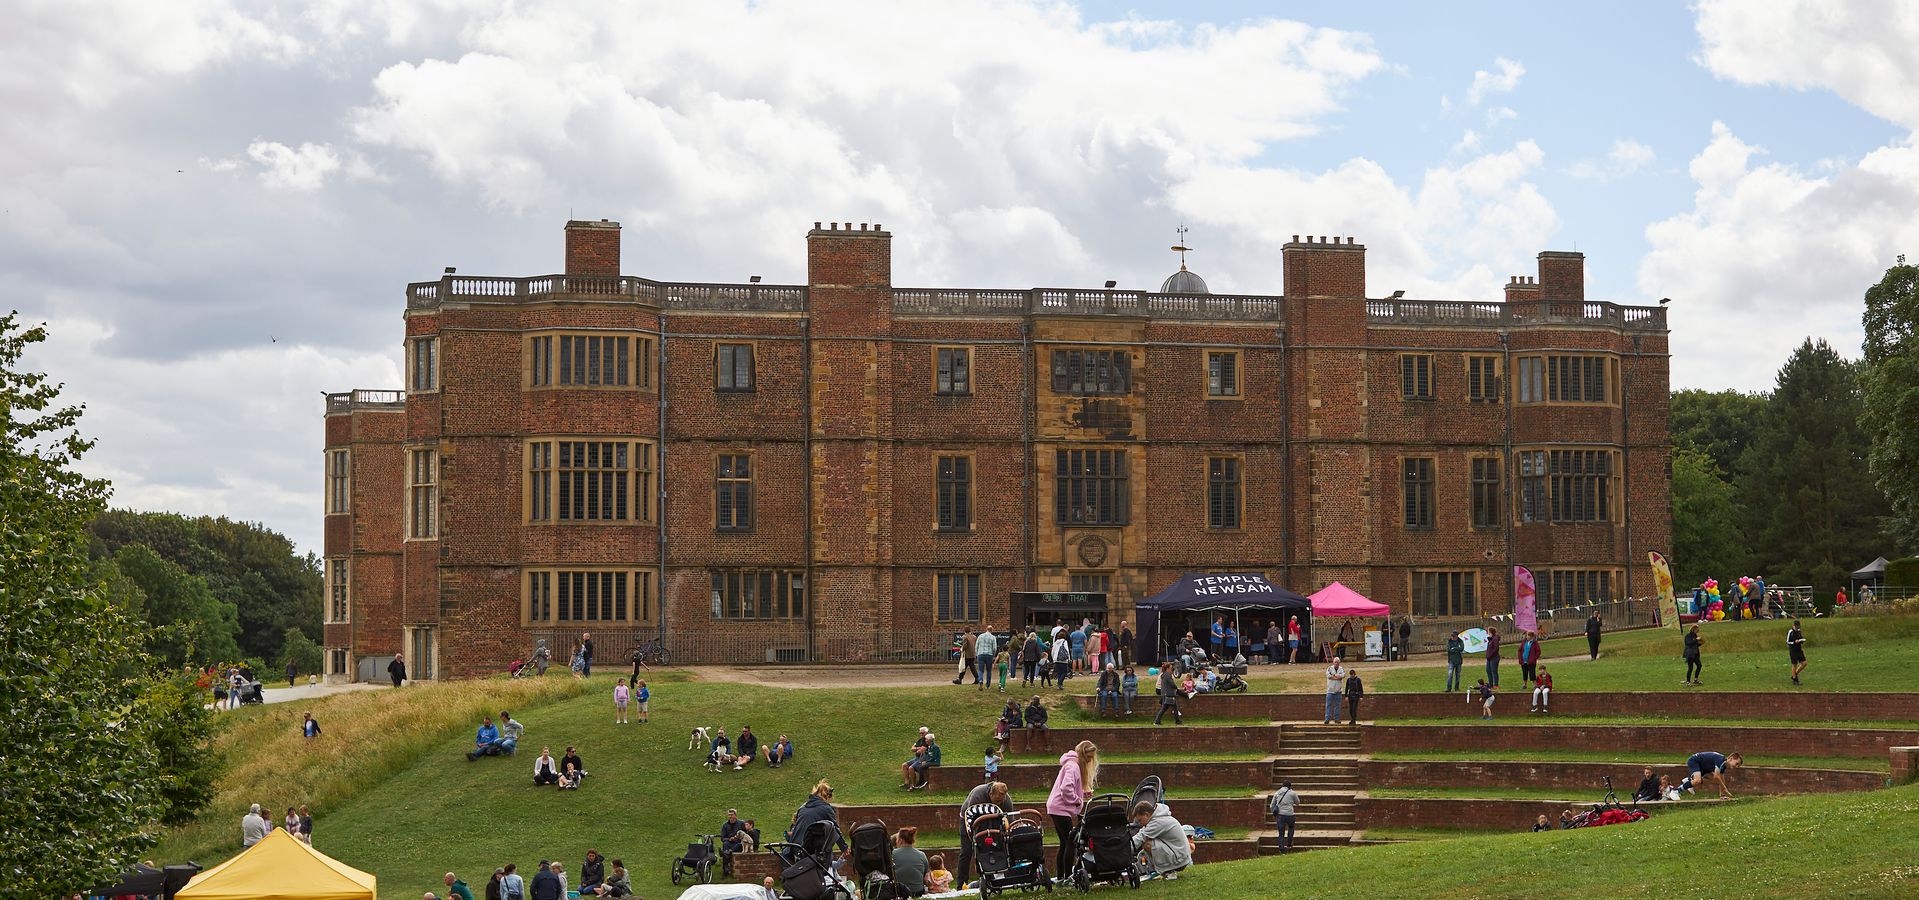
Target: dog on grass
x: 702, y: 739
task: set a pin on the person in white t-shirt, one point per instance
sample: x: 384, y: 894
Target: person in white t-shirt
x: 1335, y: 688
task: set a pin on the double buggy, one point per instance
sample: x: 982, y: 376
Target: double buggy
x: 1009, y: 850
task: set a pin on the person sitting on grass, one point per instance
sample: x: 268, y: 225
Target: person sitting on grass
x: 545, y: 769
x: 483, y: 738
x: 618, y: 884
x: 720, y: 753
x: 778, y: 752
x: 1709, y: 766
x: 592, y: 871
x: 1485, y: 694
x: 938, y: 880
x: 1566, y: 817
x: 909, y: 863
x: 1162, y: 839
x: 1543, y: 824
x: 1668, y: 790
x: 1036, y: 715
x: 746, y: 749
x: 1648, y: 788
x: 1542, y: 690
x: 572, y: 760
x: 570, y: 777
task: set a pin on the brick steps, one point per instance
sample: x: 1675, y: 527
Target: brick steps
x: 1321, y: 762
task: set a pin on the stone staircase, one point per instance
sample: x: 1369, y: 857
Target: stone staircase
x: 1321, y: 761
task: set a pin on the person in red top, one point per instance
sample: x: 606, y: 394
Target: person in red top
x: 1542, y: 689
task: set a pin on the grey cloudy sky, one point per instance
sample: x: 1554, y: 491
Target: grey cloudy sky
x: 216, y: 204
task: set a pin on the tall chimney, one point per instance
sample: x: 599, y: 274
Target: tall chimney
x: 1324, y: 267
x: 1562, y: 275
x: 1521, y: 287
x: 593, y: 248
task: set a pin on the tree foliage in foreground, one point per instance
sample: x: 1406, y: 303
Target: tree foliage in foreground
x: 1890, y: 386
x: 82, y: 780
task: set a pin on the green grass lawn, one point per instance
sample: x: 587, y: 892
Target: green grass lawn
x: 1857, y: 764
x: 1836, y: 845
x: 1530, y: 719
x: 1417, y: 834
x: 1877, y: 653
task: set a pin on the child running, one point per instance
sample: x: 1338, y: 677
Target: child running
x: 620, y: 696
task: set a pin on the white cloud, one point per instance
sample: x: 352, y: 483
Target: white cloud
x: 1623, y: 158
x: 1502, y: 81
x: 287, y: 168
x: 1497, y: 115
x: 1864, y: 52
x: 1468, y: 142
x: 1771, y: 254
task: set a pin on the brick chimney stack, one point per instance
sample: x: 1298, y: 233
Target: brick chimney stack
x: 593, y: 248
x: 1522, y: 287
x: 1562, y: 275
x: 1324, y: 267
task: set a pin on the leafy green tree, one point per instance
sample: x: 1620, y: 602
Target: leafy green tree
x: 179, y: 729
x: 80, y: 781
x: 301, y: 651
x: 1719, y: 423
x: 1890, y: 383
x: 1708, y: 536
x: 1814, y: 511
x: 271, y: 587
x: 192, y: 625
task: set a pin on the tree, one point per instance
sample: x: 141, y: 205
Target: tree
x: 1719, y: 423
x: 1890, y: 385
x: 191, y: 624
x: 1708, y: 537
x: 1814, y: 511
x: 301, y: 651
x: 80, y: 783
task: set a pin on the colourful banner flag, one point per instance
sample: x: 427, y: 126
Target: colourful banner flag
x: 1525, y: 600
x: 1662, y: 579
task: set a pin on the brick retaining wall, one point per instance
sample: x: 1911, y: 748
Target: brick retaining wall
x: 1810, y: 707
x: 749, y: 868
x: 1250, y: 738
x: 1180, y: 777
x: 1588, y: 779
x: 1905, y: 764
x: 1484, y: 815
x: 1680, y: 740
x: 1229, y: 812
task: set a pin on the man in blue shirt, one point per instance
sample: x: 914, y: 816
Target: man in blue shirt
x: 483, y: 738
x: 1707, y: 764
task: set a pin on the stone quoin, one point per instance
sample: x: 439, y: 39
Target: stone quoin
x: 845, y: 469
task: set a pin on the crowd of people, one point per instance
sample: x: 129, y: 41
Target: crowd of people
x: 258, y: 823
x: 1048, y: 656
x: 724, y: 754
x: 599, y: 877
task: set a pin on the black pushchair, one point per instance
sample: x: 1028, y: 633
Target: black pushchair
x: 251, y: 692
x: 698, y: 860
x: 1150, y: 790
x: 1010, y: 852
x: 1103, y: 844
x: 873, y: 861
x: 806, y: 868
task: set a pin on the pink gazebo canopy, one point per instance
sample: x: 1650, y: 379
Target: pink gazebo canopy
x: 1339, y: 600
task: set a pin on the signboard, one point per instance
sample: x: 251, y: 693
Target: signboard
x: 1375, y: 644
x: 1662, y: 579
x: 1525, y: 600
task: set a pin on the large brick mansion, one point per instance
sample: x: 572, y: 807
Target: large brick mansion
x: 846, y: 469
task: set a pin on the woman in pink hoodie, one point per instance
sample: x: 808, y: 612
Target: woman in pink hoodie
x: 1078, y: 773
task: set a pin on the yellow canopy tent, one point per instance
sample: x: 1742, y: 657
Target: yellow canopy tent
x: 279, y: 867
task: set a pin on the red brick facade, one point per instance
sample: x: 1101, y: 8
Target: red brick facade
x: 834, y: 397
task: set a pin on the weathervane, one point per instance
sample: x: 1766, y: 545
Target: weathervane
x: 1181, y: 247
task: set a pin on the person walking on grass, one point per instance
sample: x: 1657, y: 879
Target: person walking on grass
x: 396, y: 670
x: 1796, y: 650
x: 1593, y: 626
x: 1168, y: 691
x: 1285, y: 809
x: 1492, y: 656
x: 586, y: 655
x: 1335, y: 688
x: 1062, y: 660
x: 1455, y: 656
x: 1542, y: 690
x: 1355, y: 689
x: 1694, y: 643
x: 985, y: 647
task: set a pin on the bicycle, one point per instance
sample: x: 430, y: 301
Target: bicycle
x: 652, y: 653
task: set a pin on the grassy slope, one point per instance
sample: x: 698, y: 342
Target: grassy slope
x: 366, y: 735
x: 1841, y: 845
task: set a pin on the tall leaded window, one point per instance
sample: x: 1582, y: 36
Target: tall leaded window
x: 733, y: 367
x: 1222, y: 373
x: 952, y: 370
x: 1482, y: 379
x: 585, y: 360
x: 1416, y: 376
x: 1090, y: 487
x: 591, y: 595
x: 1445, y: 593
x: 423, y: 365
x: 1485, y: 491
x: 423, y: 494
x: 1417, y: 478
x: 1088, y: 373
x: 1222, y: 492
x: 956, y: 596
x: 733, y: 493
x: 589, y: 481
x: 953, y: 480
x: 1567, y: 379
x: 339, y: 591
x: 339, y: 481
x: 1533, y: 506
x: 1581, y: 485
x: 1577, y: 587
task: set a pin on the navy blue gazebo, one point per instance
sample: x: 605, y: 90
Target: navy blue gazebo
x: 1231, y: 592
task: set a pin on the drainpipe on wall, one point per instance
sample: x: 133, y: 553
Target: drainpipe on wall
x: 806, y: 451
x: 1029, y: 411
x: 659, y: 472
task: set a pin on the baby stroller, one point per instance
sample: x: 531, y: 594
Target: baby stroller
x: 250, y: 692
x: 873, y: 861
x: 516, y: 669
x: 1010, y: 853
x: 698, y: 861
x: 1150, y: 790
x: 806, y: 868
x: 1104, y: 840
